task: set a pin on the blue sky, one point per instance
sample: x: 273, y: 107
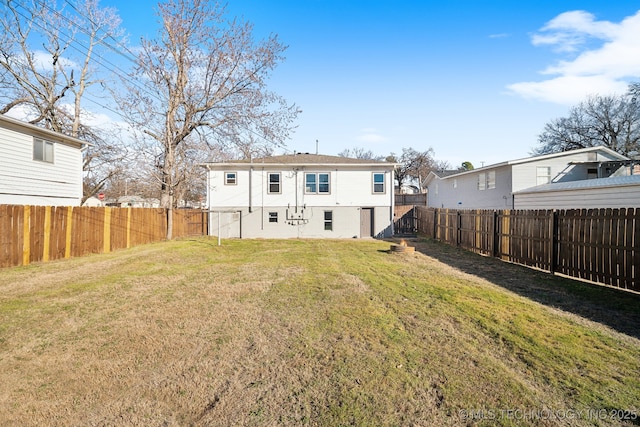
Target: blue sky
x: 474, y: 80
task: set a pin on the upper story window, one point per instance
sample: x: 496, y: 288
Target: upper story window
x: 543, y: 175
x: 274, y: 184
x: 482, y: 181
x: 230, y: 178
x: 42, y: 150
x: 317, y: 183
x: 378, y: 183
x: 491, y: 180
x: 487, y: 181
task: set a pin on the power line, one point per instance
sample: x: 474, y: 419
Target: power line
x: 99, y: 59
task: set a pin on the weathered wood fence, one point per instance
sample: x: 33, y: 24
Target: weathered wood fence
x: 599, y: 245
x: 43, y: 233
x: 419, y: 199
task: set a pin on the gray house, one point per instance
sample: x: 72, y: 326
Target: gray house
x: 494, y: 186
x: 301, y: 195
x: 617, y: 191
x: 39, y: 167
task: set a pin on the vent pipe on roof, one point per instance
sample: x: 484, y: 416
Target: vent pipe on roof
x: 316, y: 147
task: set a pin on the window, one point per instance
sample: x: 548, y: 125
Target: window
x: 543, y: 175
x: 274, y: 183
x: 328, y: 220
x: 230, y: 178
x: 273, y: 216
x: 482, y: 181
x: 378, y: 183
x: 43, y: 150
x: 491, y: 180
x: 487, y: 180
x: 310, y: 185
x: 317, y: 183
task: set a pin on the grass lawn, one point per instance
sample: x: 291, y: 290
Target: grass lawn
x: 312, y: 332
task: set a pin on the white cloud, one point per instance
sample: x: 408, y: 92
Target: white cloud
x: 371, y: 135
x: 601, y: 69
x: 44, y: 62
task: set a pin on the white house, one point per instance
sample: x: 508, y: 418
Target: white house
x: 616, y: 191
x: 493, y: 187
x: 38, y: 166
x: 301, y: 195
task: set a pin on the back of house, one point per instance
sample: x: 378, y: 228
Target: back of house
x: 301, y: 196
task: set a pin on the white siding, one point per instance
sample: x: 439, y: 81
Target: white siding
x: 466, y: 195
x: 27, y: 181
x: 301, y: 214
x: 591, y: 198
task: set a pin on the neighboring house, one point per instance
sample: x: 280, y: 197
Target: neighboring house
x: 93, y: 202
x: 301, y: 195
x: 39, y: 166
x: 133, y: 202
x: 493, y: 187
x: 612, y: 192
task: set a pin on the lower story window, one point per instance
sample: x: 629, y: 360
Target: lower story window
x: 328, y: 220
x: 273, y: 216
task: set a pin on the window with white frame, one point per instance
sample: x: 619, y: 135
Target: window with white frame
x: 317, y: 183
x: 482, y: 181
x: 42, y: 150
x: 328, y: 220
x: 543, y: 175
x: 273, y: 216
x: 274, y: 184
x: 491, y: 180
x: 230, y: 178
x: 378, y: 183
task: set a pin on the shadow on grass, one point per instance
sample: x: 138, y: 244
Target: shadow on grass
x: 615, y: 308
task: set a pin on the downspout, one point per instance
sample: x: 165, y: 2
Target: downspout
x: 391, y: 192
x: 250, y: 189
x: 209, y: 198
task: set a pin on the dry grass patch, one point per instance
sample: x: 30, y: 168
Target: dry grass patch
x: 299, y: 333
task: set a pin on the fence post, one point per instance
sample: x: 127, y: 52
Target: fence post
x: 26, y: 235
x: 553, y: 265
x: 458, y: 227
x: 107, y: 230
x: 67, y: 237
x: 494, y: 249
x: 435, y: 223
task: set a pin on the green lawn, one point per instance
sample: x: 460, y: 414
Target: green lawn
x: 312, y: 332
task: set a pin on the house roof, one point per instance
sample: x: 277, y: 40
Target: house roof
x: 303, y: 159
x: 613, y: 181
x: 601, y: 149
x: 33, y: 130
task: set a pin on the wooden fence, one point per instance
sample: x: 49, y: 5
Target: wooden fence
x: 43, y: 233
x: 599, y: 245
x: 419, y: 199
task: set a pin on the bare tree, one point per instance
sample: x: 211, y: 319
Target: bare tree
x: 47, y: 67
x: 610, y: 121
x: 415, y: 166
x: 201, y: 80
x: 359, y: 153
